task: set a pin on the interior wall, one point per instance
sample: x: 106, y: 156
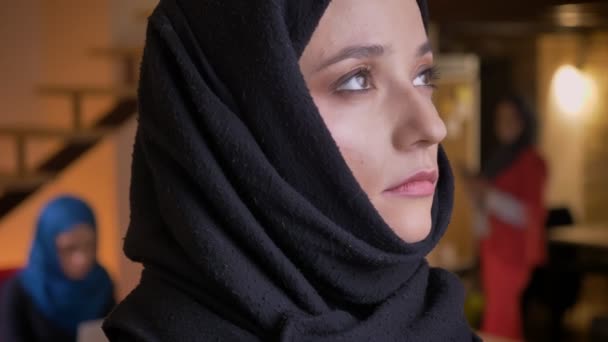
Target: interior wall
x: 128, y: 21
x: 71, y: 28
x: 575, y: 142
x: 20, y: 67
x: 596, y: 148
x: 561, y: 138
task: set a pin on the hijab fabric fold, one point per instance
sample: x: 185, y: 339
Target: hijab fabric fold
x: 243, y: 208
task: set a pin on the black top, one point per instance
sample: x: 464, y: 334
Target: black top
x: 247, y: 219
x: 20, y: 320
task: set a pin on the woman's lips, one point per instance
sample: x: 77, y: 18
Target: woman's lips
x: 421, y: 184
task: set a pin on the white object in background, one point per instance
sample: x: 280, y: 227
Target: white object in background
x: 507, y: 208
x: 91, y: 332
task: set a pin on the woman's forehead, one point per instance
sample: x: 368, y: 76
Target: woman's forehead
x: 396, y: 24
x: 78, y: 233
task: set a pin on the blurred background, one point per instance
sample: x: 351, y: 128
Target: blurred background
x: 68, y: 72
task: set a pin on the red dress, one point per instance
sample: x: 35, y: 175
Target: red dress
x: 509, y: 254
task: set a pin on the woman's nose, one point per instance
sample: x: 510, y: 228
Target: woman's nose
x: 419, y: 124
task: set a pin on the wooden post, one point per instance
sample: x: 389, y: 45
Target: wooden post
x: 21, y: 156
x: 77, y: 110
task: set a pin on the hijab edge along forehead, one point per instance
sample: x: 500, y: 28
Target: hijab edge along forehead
x: 301, y: 34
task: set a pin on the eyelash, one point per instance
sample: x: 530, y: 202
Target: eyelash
x: 365, y: 71
x: 432, y: 73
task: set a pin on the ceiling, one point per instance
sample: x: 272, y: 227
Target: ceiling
x: 458, y: 11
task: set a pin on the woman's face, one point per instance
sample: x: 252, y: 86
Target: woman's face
x: 369, y: 68
x: 76, y: 250
x: 508, y: 123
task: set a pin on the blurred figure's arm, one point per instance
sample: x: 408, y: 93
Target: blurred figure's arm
x: 521, y: 207
x: 507, y: 208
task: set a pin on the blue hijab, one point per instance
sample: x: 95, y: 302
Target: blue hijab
x: 65, y: 302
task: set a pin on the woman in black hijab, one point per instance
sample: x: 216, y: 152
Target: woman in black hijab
x: 287, y: 177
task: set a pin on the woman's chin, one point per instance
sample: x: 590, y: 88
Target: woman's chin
x: 413, y: 234
x: 412, y: 224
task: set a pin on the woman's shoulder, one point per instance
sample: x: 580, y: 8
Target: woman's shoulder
x: 532, y: 155
x: 531, y: 160
x: 12, y: 291
x: 20, y: 318
x: 14, y: 305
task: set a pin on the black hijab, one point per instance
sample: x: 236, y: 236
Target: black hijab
x: 248, y: 221
x: 506, y: 155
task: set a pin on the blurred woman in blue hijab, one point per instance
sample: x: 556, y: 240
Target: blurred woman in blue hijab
x: 62, y: 285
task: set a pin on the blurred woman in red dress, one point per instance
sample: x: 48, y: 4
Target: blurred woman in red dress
x: 509, y: 196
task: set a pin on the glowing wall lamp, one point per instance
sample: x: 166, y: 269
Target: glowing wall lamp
x: 573, y: 90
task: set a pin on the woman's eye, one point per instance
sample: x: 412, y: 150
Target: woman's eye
x: 358, y: 82
x: 426, y: 78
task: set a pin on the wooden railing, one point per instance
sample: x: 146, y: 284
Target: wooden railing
x: 17, y: 184
x: 128, y: 57
x: 22, y: 177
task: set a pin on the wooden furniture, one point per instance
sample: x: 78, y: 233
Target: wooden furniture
x: 590, y: 243
x: 582, y: 236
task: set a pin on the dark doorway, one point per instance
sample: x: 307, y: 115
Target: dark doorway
x: 496, y: 82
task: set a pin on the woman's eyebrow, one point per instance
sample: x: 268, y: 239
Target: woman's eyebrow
x: 424, y: 48
x: 354, y: 51
x: 367, y: 51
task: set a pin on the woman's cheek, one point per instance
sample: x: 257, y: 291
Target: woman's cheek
x: 356, y: 134
x: 363, y: 166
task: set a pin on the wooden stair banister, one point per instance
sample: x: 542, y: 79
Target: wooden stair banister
x: 78, y: 93
x: 53, y: 133
x: 17, y: 186
x: 129, y: 57
x: 119, y: 91
x: 11, y: 182
x: 77, y: 134
x: 22, y: 134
